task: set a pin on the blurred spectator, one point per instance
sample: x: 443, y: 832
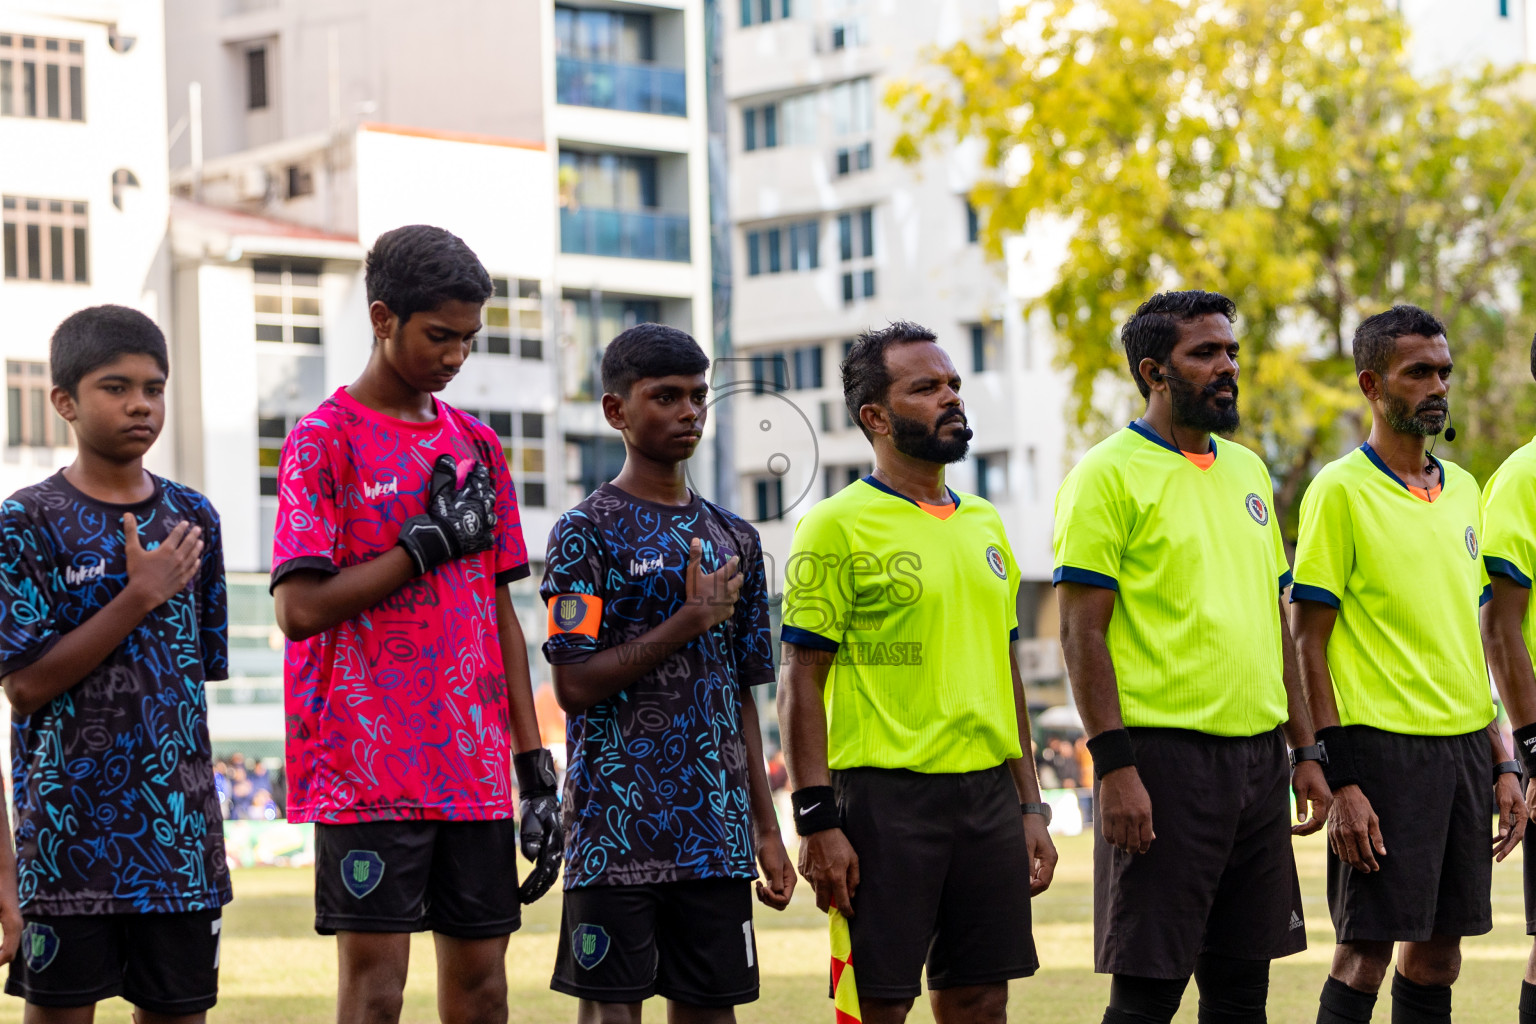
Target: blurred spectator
x: 778, y: 774
x: 240, y: 790
x: 261, y: 780
x: 1066, y: 764
x: 248, y: 789
x: 221, y: 787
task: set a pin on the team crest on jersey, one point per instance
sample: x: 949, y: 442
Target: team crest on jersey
x: 1257, y: 509
x: 995, y: 562
x: 361, y: 872
x: 39, y: 945
x: 1471, y: 542
x: 589, y: 944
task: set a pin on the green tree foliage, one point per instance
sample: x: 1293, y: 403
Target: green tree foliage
x: 1279, y: 151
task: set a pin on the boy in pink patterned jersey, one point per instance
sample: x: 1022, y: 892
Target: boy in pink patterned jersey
x: 406, y: 677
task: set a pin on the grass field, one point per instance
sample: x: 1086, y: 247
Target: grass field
x: 276, y: 969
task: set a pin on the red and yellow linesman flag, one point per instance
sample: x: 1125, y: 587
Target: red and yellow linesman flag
x: 845, y: 994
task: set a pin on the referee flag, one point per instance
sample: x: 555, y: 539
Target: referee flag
x: 845, y: 994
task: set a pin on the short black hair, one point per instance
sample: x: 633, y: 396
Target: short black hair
x: 91, y: 338
x: 1376, y: 337
x: 650, y: 350
x: 418, y: 267
x: 866, y: 378
x: 1153, y: 330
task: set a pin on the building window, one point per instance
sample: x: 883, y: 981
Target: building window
x: 45, y: 240
x: 766, y: 249
x: 856, y: 245
x: 858, y: 158
x: 514, y: 323
x: 769, y: 370
x: 589, y: 327
x: 31, y: 419
x: 271, y: 431
x: 523, y: 442
x: 972, y: 224
x: 807, y: 364
x: 759, y: 12
x: 287, y: 300
x: 792, y: 121
x: 256, y: 78
x: 986, y: 347
x: 769, y: 494
x: 835, y: 478
x: 992, y: 476
x: 799, y: 368
x: 301, y: 181
x: 1503, y: 8
x: 41, y: 77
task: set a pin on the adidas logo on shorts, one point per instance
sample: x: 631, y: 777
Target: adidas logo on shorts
x: 1296, y: 921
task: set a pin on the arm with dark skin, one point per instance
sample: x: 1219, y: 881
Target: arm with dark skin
x: 514, y: 663
x: 1307, y: 780
x: 827, y: 859
x: 778, y: 883
x: 710, y: 600
x: 1354, y: 830
x: 154, y: 577
x: 1506, y: 794
x: 10, y: 903
x: 1042, y: 852
x: 1508, y: 659
x: 309, y: 602
x: 1124, y: 806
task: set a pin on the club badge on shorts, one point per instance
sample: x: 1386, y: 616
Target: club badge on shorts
x: 39, y: 945
x: 1471, y: 542
x: 1257, y: 509
x: 995, y: 562
x: 361, y: 872
x: 589, y: 944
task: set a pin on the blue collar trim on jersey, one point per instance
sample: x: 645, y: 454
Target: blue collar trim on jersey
x: 1141, y: 427
x: 1370, y: 453
x: 877, y: 485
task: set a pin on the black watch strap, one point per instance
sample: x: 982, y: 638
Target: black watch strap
x: 1042, y: 809
x: 1507, y: 768
x: 1315, y: 752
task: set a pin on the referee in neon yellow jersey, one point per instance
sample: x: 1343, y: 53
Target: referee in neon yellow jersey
x: 902, y: 709
x: 1509, y: 638
x: 1388, y: 583
x: 1170, y: 571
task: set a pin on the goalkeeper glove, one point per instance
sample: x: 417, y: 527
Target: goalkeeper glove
x: 539, y: 821
x: 460, y: 518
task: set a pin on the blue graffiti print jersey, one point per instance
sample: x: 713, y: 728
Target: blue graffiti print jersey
x: 115, y: 806
x: 656, y: 783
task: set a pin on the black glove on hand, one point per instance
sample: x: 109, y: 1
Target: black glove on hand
x: 460, y: 518
x: 538, y: 811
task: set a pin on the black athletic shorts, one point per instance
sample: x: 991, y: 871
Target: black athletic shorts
x: 943, y: 878
x: 690, y: 942
x: 1434, y: 796
x: 163, y: 963
x: 1220, y: 876
x: 457, y: 878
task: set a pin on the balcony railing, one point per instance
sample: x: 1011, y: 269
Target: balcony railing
x: 641, y: 88
x: 632, y: 234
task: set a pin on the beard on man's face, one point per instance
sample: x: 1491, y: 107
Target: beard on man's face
x: 1196, y: 409
x: 1421, y: 420
x: 918, y: 440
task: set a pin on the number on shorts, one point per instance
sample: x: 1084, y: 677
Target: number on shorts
x: 218, y: 940
x: 746, y: 934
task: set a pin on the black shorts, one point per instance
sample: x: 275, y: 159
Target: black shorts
x: 943, y: 878
x: 690, y: 942
x: 1434, y: 796
x: 1219, y: 877
x: 457, y: 878
x: 163, y: 963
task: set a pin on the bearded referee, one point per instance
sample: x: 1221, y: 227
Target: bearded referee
x: 902, y: 709
x: 1388, y: 583
x: 1169, y: 574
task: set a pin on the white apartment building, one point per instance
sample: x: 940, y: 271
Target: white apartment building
x: 566, y: 143
x: 833, y: 236
x: 1463, y: 35
x: 83, y: 197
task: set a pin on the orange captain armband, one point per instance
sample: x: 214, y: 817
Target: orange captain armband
x: 575, y: 613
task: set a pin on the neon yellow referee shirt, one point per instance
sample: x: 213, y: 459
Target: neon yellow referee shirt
x: 1405, y: 654
x: 1197, y: 565
x: 1509, y: 528
x: 920, y: 610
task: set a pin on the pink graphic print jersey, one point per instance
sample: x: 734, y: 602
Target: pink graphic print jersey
x: 400, y: 713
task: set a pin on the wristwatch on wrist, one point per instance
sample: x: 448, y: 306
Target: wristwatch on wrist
x: 1506, y: 768
x: 1042, y: 809
x: 1316, y: 752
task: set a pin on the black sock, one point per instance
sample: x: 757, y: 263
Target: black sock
x: 1419, y: 1004
x: 1527, y: 1003
x: 1340, y: 1004
x: 1135, y: 1000
x: 1232, y: 991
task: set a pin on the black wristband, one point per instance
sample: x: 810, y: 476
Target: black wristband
x: 1339, y: 766
x: 1111, y: 749
x: 815, y: 810
x: 1525, y: 748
